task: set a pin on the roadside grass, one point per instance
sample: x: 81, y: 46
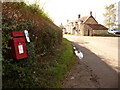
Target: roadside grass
x: 53, y: 68
x: 108, y: 35
x: 66, y: 60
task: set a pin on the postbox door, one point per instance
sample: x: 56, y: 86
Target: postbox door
x: 20, y: 48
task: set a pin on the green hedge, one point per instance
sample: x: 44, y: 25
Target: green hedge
x: 45, y: 36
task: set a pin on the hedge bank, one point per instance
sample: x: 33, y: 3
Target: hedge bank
x: 48, y: 55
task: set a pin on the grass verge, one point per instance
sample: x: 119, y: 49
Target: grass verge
x: 53, y: 68
x: 66, y: 60
x: 108, y: 35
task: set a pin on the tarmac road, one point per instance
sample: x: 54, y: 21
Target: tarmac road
x: 100, y: 56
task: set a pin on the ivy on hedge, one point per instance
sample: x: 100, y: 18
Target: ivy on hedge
x: 44, y: 35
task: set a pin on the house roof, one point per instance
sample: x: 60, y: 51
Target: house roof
x: 85, y: 18
x: 82, y: 18
x: 90, y: 17
x: 97, y: 27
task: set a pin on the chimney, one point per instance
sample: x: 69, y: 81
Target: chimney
x: 79, y: 16
x: 90, y: 13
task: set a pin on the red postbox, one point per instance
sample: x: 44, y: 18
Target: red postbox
x: 18, y: 45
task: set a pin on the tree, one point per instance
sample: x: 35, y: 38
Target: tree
x: 110, y: 16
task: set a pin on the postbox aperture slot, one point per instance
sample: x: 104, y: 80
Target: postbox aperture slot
x: 17, y: 34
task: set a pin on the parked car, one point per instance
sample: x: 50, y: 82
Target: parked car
x: 114, y: 31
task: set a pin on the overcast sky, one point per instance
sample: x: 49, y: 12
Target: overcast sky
x: 61, y: 10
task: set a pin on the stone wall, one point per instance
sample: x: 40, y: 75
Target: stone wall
x: 100, y: 32
x: 86, y: 30
x: 82, y: 29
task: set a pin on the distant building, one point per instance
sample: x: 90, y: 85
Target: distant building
x: 85, y: 26
x: 63, y: 28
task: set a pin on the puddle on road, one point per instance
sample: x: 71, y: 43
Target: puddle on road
x: 78, y: 53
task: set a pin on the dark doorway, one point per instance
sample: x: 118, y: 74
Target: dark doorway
x: 88, y: 32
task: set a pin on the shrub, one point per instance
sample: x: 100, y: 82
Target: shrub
x: 44, y: 35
